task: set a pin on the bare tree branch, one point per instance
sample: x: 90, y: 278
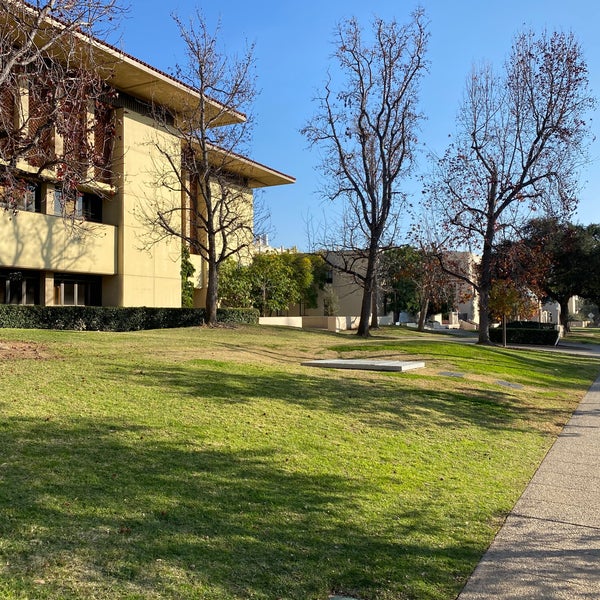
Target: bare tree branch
x: 522, y: 138
x: 216, y: 217
x: 366, y: 123
x: 56, y: 122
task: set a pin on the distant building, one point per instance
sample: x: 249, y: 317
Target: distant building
x: 349, y: 292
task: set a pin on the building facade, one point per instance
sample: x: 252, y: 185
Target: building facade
x: 99, y: 255
x: 348, y: 292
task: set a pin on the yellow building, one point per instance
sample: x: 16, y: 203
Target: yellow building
x: 348, y: 292
x: 98, y: 257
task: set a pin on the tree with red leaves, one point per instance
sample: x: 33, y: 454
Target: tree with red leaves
x: 50, y: 84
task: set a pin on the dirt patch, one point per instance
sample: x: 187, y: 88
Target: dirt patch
x: 18, y: 350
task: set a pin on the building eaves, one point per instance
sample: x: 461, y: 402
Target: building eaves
x: 256, y: 174
x: 127, y: 73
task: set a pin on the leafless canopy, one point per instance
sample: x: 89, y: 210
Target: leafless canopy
x: 366, y: 127
x: 521, y: 140
x: 215, y: 218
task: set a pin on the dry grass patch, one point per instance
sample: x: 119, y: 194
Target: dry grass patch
x: 22, y: 350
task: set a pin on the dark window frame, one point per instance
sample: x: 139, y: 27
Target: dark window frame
x: 20, y: 287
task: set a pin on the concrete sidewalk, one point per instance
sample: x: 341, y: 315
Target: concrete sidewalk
x: 549, y: 546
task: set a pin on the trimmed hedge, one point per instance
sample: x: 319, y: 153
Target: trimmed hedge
x: 526, y: 332
x: 238, y: 316
x: 104, y: 318
x: 530, y: 325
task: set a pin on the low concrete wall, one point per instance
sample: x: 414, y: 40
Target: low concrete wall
x: 317, y: 323
x: 386, y: 320
x: 281, y: 321
x: 581, y: 323
x: 328, y: 323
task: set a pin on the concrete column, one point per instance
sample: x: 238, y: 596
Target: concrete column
x: 47, y: 289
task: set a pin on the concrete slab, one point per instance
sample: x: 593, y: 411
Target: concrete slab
x: 365, y: 364
x: 514, y: 386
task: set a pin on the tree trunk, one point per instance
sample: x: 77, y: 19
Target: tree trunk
x: 374, y: 306
x: 484, y: 317
x: 367, y: 299
x: 564, y: 314
x: 423, y: 313
x: 212, y: 289
x: 485, y: 284
x: 365, y: 311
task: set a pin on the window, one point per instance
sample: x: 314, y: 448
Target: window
x: 71, y: 290
x: 8, y: 113
x: 19, y: 287
x: 41, y: 131
x: 85, y: 206
x: 21, y: 194
x: 104, y: 137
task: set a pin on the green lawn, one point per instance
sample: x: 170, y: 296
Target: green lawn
x: 209, y: 464
x: 584, y: 335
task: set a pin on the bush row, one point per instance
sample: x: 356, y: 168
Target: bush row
x: 530, y: 325
x: 103, y: 318
x: 540, y: 336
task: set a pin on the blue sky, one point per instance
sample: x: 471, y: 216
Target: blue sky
x: 293, y: 48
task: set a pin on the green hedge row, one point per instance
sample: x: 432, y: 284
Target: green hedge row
x: 238, y: 316
x: 530, y: 325
x: 539, y: 336
x: 102, y: 318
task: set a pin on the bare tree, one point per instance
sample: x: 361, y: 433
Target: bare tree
x: 216, y: 218
x: 366, y: 124
x: 55, y: 118
x: 521, y: 139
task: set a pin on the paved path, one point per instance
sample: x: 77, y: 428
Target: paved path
x: 549, y: 546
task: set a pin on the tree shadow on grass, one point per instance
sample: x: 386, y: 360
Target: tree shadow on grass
x: 92, y: 509
x: 382, y: 402
x: 529, y: 366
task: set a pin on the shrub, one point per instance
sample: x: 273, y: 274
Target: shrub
x: 530, y: 325
x: 238, y: 316
x: 105, y: 318
x: 540, y: 334
x: 21, y: 317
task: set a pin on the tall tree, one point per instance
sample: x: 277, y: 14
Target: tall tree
x: 568, y: 255
x: 273, y: 281
x: 366, y: 124
x: 591, y: 287
x: 278, y: 280
x: 217, y: 217
x: 518, y: 270
x: 521, y: 139
x: 235, y: 284
x: 50, y: 86
x: 397, y: 279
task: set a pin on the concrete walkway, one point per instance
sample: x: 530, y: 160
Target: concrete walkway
x: 549, y: 546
